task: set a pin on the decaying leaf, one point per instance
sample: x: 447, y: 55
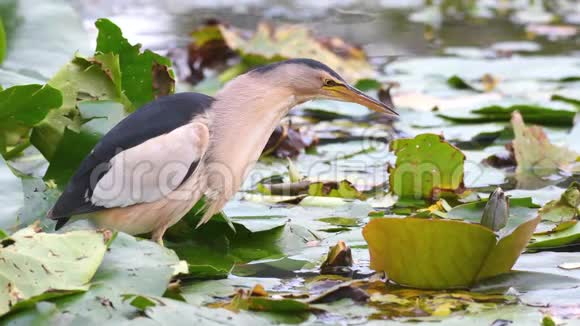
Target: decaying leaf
x: 36, y: 265
x: 535, y: 155
x: 338, y: 260
x: 393, y: 302
x: 215, y: 43
x: 427, y: 167
x: 341, y: 189
x: 286, y: 142
x: 564, y: 209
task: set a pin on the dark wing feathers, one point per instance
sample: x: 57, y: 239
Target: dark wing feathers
x: 151, y: 120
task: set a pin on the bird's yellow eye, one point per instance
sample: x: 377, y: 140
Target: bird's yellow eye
x: 330, y: 83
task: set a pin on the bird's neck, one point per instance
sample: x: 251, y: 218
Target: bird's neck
x: 242, y: 119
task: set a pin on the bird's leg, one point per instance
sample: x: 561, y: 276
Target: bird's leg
x: 157, y: 236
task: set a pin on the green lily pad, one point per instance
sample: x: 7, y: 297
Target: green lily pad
x: 34, y: 263
x: 426, y: 168
x: 531, y: 113
x: 74, y: 146
x: 144, y: 76
x: 27, y: 104
x: 560, y: 239
x: 126, y: 264
x: 439, y: 253
x: 11, y: 196
x: 564, y: 209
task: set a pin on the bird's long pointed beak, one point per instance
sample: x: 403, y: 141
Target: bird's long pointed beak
x: 351, y: 94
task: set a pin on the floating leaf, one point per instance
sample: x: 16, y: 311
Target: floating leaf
x: 398, y: 245
x: 427, y: 166
x: 560, y: 239
x: 36, y: 263
x: 565, y: 208
x: 342, y: 189
x: 531, y: 113
x: 367, y: 84
x: 11, y: 196
x: 258, y: 300
x: 458, y: 83
x: 126, y: 263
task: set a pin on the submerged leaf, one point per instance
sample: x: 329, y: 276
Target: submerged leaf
x: 427, y: 167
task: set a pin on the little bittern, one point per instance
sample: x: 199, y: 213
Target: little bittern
x: 148, y: 171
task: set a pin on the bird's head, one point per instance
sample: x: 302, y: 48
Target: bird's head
x: 310, y: 79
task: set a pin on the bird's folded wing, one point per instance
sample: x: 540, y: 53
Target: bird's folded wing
x: 158, y: 140
x: 153, y: 169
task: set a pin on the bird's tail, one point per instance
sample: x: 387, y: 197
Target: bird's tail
x: 60, y: 221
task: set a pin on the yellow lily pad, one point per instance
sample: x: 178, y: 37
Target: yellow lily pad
x: 442, y: 254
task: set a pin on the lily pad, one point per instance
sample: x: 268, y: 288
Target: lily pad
x: 126, y: 263
x: 439, y: 253
x: 531, y: 113
x: 11, y: 196
x: 100, y: 117
x: 426, y: 168
x: 27, y: 104
x: 144, y: 76
x: 563, y: 238
x: 35, y: 265
x: 564, y: 209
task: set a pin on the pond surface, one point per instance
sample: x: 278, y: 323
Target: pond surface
x: 442, y: 67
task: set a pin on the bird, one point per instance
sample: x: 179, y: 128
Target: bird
x: 151, y: 168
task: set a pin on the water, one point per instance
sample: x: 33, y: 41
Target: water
x: 383, y: 30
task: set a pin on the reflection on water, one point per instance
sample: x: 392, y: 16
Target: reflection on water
x: 383, y: 27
